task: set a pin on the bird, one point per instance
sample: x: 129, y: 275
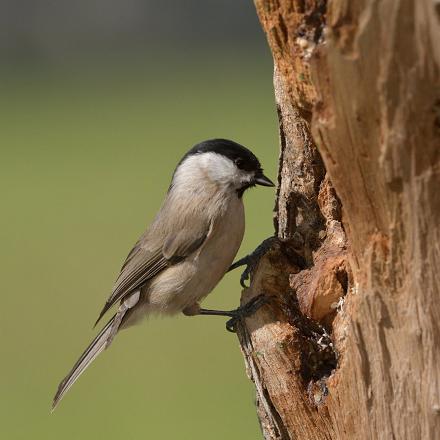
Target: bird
x: 188, y: 247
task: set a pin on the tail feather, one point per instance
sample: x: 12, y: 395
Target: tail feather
x: 89, y: 355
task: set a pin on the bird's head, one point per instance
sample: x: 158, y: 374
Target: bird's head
x: 221, y: 162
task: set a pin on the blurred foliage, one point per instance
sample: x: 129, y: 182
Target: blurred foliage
x: 87, y: 152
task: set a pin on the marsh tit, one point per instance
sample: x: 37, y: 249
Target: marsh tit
x: 187, y: 249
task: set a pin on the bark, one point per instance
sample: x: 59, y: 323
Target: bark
x: 348, y: 347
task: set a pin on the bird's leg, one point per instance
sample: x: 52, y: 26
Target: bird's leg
x: 251, y: 260
x: 239, y: 313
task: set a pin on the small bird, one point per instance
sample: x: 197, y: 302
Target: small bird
x: 188, y: 248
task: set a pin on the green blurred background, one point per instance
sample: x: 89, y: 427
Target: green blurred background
x: 90, y: 134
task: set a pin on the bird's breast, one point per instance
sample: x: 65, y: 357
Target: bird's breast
x: 190, y: 281
x: 221, y: 247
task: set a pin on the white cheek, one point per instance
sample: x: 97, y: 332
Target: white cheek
x: 214, y: 167
x: 219, y: 169
x: 225, y: 172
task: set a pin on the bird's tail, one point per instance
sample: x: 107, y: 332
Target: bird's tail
x: 93, y: 350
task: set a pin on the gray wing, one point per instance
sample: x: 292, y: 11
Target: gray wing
x: 148, y: 258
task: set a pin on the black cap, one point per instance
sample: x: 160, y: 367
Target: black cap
x: 243, y: 158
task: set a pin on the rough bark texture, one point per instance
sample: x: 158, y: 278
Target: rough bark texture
x: 349, y: 346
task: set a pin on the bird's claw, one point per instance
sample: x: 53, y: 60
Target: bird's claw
x: 251, y: 260
x: 245, y: 261
x: 245, y: 311
x: 246, y: 274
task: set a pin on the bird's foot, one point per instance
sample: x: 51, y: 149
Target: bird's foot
x: 251, y: 260
x: 235, y: 315
x: 245, y: 311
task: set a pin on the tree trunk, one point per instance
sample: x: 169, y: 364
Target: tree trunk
x: 348, y: 347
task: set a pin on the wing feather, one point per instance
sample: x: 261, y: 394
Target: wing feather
x: 142, y: 266
x: 148, y: 259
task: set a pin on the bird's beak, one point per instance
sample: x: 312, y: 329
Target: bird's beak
x: 261, y: 179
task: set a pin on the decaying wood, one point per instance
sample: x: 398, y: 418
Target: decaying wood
x: 349, y: 346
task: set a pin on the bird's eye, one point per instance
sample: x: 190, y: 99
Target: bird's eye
x: 240, y: 163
